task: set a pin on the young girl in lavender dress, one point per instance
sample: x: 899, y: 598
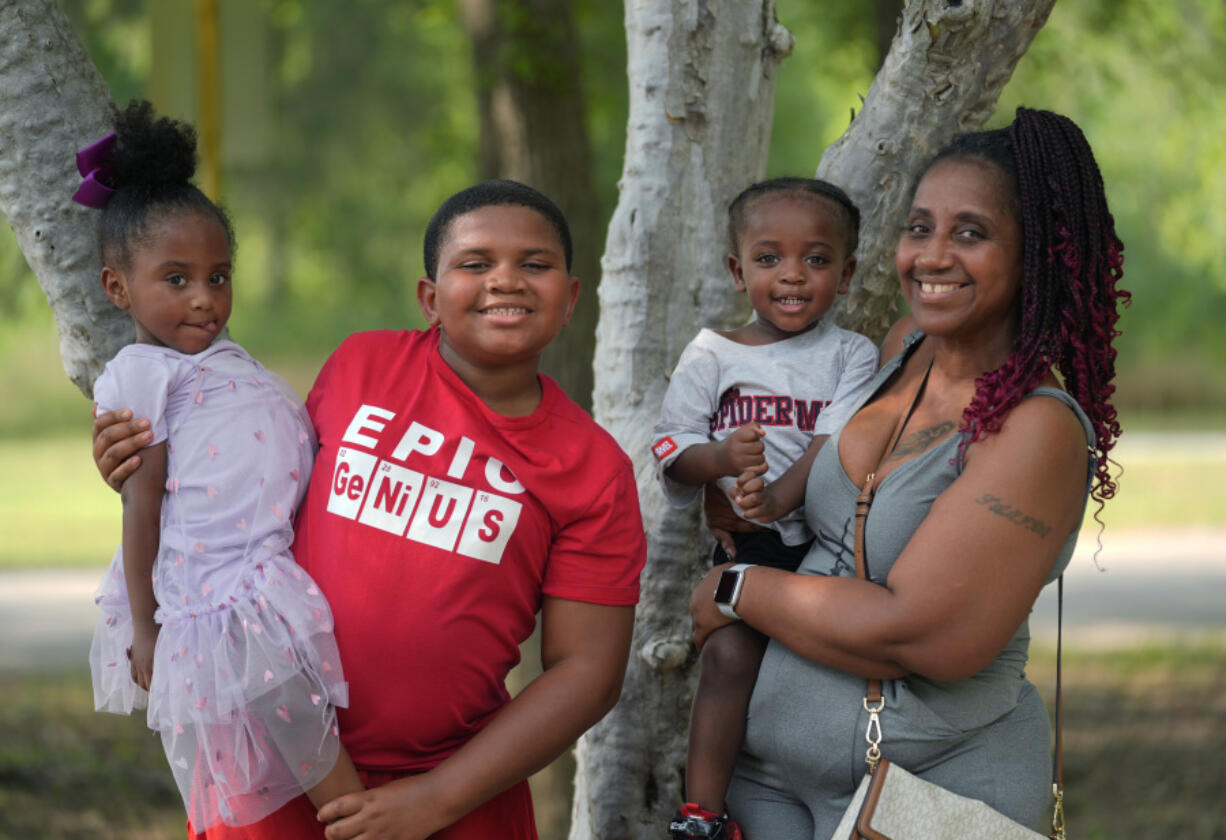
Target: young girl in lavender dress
x: 206, y: 618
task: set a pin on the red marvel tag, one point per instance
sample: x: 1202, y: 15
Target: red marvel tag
x: 663, y: 448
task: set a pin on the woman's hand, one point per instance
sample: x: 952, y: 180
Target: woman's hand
x: 704, y: 614
x: 117, y: 439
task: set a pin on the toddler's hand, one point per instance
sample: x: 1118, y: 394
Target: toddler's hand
x: 743, y: 450
x: 755, y: 498
x: 144, y: 640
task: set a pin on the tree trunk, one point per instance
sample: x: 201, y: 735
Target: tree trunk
x: 702, y: 83
x: 531, y: 107
x: 948, y: 64
x: 53, y: 102
x: 701, y: 88
x: 886, y: 14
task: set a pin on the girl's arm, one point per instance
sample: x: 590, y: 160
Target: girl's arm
x: 584, y: 648
x: 142, y: 513
x: 964, y: 582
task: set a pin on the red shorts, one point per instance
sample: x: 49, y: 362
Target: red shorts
x: 508, y: 815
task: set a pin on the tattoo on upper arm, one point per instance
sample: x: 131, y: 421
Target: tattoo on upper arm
x: 917, y: 442
x: 1017, y: 517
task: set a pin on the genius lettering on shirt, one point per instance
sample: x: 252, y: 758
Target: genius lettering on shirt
x: 442, y: 508
x: 736, y: 410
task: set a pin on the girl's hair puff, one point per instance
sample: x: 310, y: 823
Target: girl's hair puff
x: 830, y: 195
x: 1072, y: 261
x: 150, y: 167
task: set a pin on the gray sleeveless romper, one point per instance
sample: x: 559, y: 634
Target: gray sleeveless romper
x: 987, y: 736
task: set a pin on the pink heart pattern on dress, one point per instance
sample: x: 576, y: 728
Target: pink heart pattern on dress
x: 283, y: 713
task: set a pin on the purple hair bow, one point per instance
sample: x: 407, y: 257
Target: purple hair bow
x: 92, y: 163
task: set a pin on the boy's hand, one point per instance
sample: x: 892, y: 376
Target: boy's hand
x: 755, y: 498
x: 117, y: 439
x: 743, y: 450
x: 397, y: 811
x: 144, y: 641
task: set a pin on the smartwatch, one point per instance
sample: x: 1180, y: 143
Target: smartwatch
x: 728, y: 590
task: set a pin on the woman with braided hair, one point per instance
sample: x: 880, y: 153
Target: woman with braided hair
x: 978, y: 445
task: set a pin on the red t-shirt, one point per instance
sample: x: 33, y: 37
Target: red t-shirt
x: 435, y: 525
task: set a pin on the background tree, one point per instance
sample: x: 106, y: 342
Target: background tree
x: 532, y: 115
x: 702, y: 80
x: 51, y: 99
x: 702, y: 87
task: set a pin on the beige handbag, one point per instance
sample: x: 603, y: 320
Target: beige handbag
x: 892, y: 804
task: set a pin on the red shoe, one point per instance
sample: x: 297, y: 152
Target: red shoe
x: 695, y: 823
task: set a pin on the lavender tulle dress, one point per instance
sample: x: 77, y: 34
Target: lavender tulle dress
x: 246, y: 673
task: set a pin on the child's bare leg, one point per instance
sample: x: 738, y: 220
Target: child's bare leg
x: 341, y: 779
x: 730, y: 661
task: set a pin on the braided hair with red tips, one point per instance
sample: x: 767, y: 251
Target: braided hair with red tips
x: 1071, y: 263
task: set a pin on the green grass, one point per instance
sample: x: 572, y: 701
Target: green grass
x: 1145, y: 736
x: 1145, y: 740
x: 1166, y: 489
x: 55, y: 510
x: 68, y: 772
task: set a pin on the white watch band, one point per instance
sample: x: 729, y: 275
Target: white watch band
x: 728, y: 608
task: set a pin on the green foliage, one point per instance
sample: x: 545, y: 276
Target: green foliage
x: 831, y: 66
x: 373, y: 120
x: 1143, y: 79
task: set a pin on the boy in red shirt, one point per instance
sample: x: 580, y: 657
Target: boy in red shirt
x: 456, y: 492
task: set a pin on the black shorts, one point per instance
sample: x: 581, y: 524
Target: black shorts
x: 763, y: 548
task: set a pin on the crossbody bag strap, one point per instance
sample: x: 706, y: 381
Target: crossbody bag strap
x: 1057, y: 758
x: 865, y: 501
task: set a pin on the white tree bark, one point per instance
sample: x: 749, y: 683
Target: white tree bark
x: 945, y: 70
x: 701, y: 92
x: 53, y: 102
x: 702, y: 84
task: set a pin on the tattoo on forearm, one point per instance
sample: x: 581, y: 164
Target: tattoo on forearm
x: 917, y: 442
x: 998, y: 507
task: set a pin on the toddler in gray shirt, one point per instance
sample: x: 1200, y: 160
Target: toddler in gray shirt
x: 759, y: 401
